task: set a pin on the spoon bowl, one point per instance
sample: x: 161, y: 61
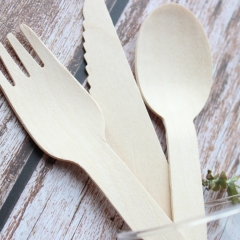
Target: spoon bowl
x: 173, y: 62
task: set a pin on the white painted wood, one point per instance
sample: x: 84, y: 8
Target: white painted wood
x: 71, y: 128
x: 54, y: 21
x: 174, y: 71
x: 129, y: 130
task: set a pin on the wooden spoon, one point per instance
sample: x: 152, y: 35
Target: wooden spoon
x: 174, y: 73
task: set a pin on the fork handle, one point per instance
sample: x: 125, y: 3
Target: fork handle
x: 126, y: 193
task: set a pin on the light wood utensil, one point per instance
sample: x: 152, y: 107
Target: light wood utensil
x: 67, y: 124
x: 174, y: 72
x: 129, y: 130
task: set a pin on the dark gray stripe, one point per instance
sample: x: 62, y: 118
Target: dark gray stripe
x: 117, y: 10
x: 19, y: 185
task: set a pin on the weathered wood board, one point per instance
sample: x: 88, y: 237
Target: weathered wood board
x: 60, y: 201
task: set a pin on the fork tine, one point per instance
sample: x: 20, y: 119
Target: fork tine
x: 22, y: 53
x: 12, y: 68
x: 42, y: 51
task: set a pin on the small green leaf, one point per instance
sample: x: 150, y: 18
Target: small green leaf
x: 223, y: 180
x: 216, y: 187
x: 209, y: 175
x: 233, y: 191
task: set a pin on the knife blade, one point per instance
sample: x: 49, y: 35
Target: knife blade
x: 129, y: 130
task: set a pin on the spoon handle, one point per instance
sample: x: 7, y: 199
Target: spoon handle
x: 124, y: 191
x: 185, y: 173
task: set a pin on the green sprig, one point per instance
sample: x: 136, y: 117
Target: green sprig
x: 219, y: 182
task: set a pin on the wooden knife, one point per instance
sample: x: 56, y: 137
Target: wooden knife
x: 129, y: 129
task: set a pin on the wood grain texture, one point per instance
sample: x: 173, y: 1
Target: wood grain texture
x: 89, y: 215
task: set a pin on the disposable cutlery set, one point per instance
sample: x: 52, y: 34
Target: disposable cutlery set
x: 116, y: 145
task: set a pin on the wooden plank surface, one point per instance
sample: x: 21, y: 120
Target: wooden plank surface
x: 60, y: 201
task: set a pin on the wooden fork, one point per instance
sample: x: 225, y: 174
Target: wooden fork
x: 67, y: 124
